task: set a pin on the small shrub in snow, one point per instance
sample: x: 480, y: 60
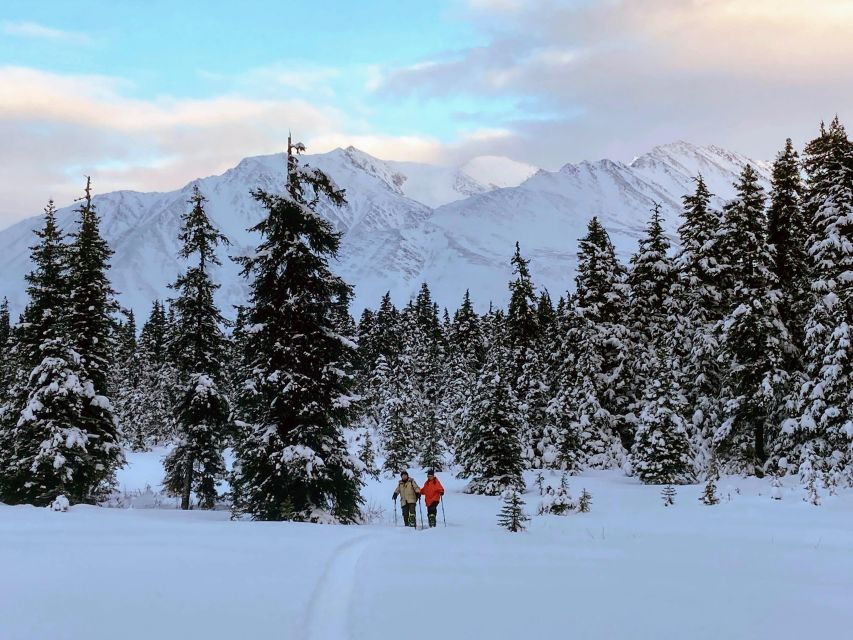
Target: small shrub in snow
x: 60, y: 504
x: 512, y: 516
x: 540, y: 483
x: 776, y: 491
x: 709, y: 495
x: 556, y: 502
x: 812, y: 494
x: 372, y: 513
x: 668, y: 495
x: 584, y: 502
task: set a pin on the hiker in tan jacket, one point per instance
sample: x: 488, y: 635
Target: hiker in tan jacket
x: 409, y: 493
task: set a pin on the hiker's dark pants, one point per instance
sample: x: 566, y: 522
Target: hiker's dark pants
x: 432, y: 514
x: 409, y: 513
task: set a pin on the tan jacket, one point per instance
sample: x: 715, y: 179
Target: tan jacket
x: 408, y: 491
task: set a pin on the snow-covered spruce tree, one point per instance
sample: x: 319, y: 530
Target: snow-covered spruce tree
x: 585, y: 501
x: 696, y: 306
x: 5, y: 327
x: 562, y: 410
x: 668, y: 494
x: 788, y: 233
x: 292, y: 461
x: 512, y: 516
x: 463, y: 358
x: 423, y: 353
x: 395, y: 400
x: 91, y: 323
x: 527, y: 373
x: 6, y: 357
x: 753, y: 337
x: 661, y: 453
x: 601, y: 387
x: 43, y: 429
x: 650, y: 280
x: 490, y: 447
x: 826, y: 400
x: 145, y: 404
x: 367, y: 453
x: 196, y: 464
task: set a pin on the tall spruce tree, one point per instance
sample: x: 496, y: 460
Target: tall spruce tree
x: 661, y: 453
x: 146, y: 400
x: 490, y: 446
x: 196, y: 463
x: 91, y: 322
x: 292, y: 460
x: 788, y: 232
x: 696, y: 304
x: 753, y: 337
x: 563, y: 415
x: 826, y: 423
x: 6, y: 356
x: 527, y: 373
x: 54, y: 446
x: 601, y: 298
x: 650, y: 280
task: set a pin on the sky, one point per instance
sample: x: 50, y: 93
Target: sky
x: 149, y: 95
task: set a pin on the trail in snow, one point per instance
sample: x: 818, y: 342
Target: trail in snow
x: 329, y: 608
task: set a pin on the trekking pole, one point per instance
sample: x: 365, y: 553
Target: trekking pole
x: 421, y: 507
x: 443, y: 517
x: 395, y: 512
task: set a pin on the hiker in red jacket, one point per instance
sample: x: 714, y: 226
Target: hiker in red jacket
x: 432, y: 492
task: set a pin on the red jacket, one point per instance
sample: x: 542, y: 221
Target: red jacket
x: 432, y: 491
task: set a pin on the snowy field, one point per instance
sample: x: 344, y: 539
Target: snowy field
x: 748, y: 568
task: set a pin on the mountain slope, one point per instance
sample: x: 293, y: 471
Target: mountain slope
x: 404, y: 223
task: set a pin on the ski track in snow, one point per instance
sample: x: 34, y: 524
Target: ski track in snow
x: 328, y: 611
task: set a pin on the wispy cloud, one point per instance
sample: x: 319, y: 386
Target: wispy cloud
x: 57, y: 127
x: 36, y: 30
x: 616, y: 77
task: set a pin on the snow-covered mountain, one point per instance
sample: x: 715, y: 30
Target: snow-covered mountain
x: 405, y: 222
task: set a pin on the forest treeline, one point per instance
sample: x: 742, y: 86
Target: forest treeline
x: 730, y: 352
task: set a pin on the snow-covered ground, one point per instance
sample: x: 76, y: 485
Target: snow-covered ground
x: 750, y: 567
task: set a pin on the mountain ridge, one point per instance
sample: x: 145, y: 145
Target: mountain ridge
x: 404, y: 222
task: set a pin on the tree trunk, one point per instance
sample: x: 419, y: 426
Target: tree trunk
x: 188, y: 484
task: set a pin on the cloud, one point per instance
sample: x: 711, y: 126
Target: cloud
x: 612, y: 78
x: 57, y: 128
x: 35, y: 30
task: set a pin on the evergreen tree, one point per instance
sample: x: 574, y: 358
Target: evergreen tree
x: 6, y: 358
x: 601, y: 388
x: 668, y: 494
x: 584, y: 502
x: 395, y: 397
x: 826, y: 400
x: 661, y: 452
x: 490, y: 447
x: 367, y: 454
x: 145, y: 404
x: 512, y: 516
x: 696, y: 305
x: 5, y: 327
x: 753, y: 337
x: 788, y: 232
x: 522, y: 315
x: 462, y: 362
x: 650, y: 281
x: 196, y: 463
x: 47, y: 450
x: 562, y: 410
x: 91, y: 323
x: 292, y: 461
